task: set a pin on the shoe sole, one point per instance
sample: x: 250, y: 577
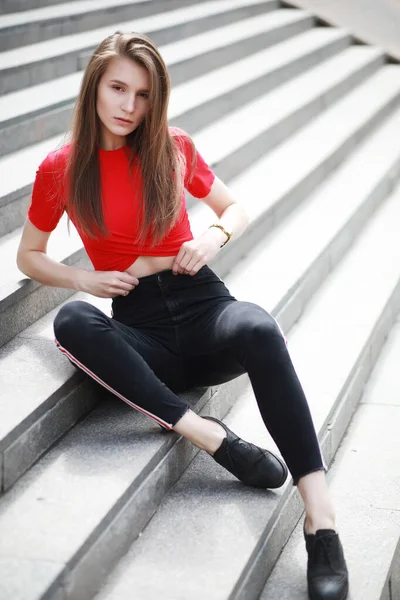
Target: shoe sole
x: 285, y: 472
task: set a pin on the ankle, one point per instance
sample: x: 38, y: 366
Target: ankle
x: 319, y: 521
x: 205, y: 434
x: 213, y: 438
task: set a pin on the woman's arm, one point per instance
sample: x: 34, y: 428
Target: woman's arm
x: 33, y: 261
x: 231, y: 215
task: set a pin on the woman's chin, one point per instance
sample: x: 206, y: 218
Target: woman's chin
x: 118, y: 133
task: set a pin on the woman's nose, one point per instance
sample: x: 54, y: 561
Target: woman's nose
x: 128, y: 103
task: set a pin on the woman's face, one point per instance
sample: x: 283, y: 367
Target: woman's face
x: 122, y: 101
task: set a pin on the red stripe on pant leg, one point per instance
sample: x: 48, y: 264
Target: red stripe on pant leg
x: 86, y: 370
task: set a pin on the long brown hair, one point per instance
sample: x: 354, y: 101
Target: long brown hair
x: 162, y: 165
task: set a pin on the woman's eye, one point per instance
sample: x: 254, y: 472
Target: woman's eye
x: 117, y: 87
x: 144, y: 95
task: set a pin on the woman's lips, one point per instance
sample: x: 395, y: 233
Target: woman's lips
x: 123, y: 121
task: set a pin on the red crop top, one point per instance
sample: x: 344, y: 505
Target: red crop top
x: 117, y: 251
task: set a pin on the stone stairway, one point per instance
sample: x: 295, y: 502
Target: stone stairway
x: 301, y: 123
x: 364, y: 480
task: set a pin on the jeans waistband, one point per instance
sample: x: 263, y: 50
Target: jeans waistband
x: 159, y: 277
x: 184, y: 291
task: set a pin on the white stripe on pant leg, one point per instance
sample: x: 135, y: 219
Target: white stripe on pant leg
x: 96, y: 378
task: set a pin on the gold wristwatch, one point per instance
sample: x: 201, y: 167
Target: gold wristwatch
x: 227, y: 233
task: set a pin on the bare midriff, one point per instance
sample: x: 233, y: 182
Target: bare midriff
x: 148, y: 265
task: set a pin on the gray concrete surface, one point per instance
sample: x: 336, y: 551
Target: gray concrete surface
x: 97, y: 460
x: 372, y: 21
x: 366, y: 495
x: 199, y: 525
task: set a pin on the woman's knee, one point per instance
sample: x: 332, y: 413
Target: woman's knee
x: 265, y: 331
x: 260, y: 330
x: 74, y: 320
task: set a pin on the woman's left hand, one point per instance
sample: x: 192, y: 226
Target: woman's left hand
x: 196, y: 253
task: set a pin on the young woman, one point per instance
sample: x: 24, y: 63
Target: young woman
x: 175, y: 325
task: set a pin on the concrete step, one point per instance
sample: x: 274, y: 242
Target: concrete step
x: 49, y: 22
x: 234, y: 533
x: 36, y: 411
x: 10, y: 6
x: 23, y: 300
x: 312, y: 153
x: 281, y: 113
x: 17, y: 181
x: 29, y: 428
x: 42, y: 412
x: 273, y: 118
x: 33, y: 114
x: 44, y: 61
x: 332, y: 218
x: 145, y: 465
x: 393, y: 586
x: 74, y: 547
x: 369, y: 21
x: 192, y: 104
x: 223, y: 90
x: 366, y: 495
x: 39, y: 412
x: 213, y: 51
x: 301, y: 252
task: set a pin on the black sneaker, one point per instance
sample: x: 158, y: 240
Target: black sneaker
x: 254, y: 466
x: 327, y: 574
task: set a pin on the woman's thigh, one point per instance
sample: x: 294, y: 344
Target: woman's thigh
x: 222, y: 343
x: 88, y: 333
x: 210, y: 369
x: 227, y: 325
x: 163, y: 361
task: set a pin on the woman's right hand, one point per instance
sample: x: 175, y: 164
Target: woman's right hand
x: 107, y: 284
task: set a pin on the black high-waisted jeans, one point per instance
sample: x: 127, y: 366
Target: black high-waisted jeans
x: 174, y: 332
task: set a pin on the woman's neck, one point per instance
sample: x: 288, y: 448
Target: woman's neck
x: 110, y: 142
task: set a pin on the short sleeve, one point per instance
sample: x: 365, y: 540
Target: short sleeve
x: 199, y: 177
x: 48, y: 198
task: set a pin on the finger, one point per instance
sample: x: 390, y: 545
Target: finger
x: 190, y: 259
x: 128, y: 278
x: 123, y: 287
x: 177, y: 267
x: 123, y: 292
x: 176, y: 264
x: 195, y: 264
x: 187, y: 259
x: 191, y: 266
